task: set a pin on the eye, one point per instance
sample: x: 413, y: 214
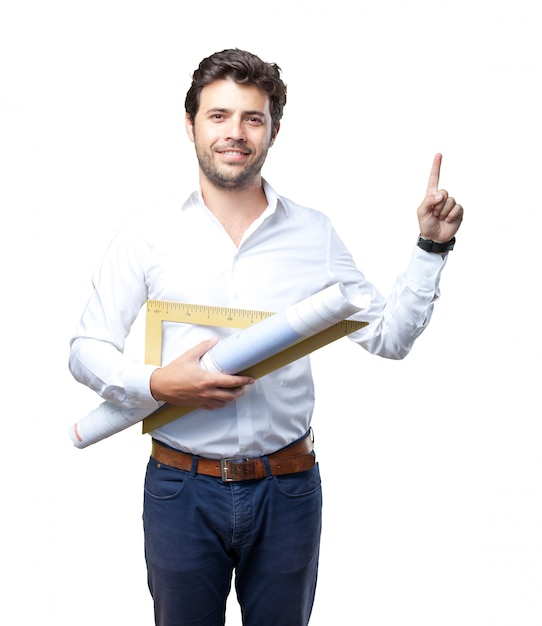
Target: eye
x: 255, y: 121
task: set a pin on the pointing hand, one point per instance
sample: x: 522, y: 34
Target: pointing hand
x: 439, y: 215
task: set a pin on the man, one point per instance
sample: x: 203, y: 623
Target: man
x: 235, y: 242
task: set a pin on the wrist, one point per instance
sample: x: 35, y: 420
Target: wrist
x: 154, y: 385
x: 438, y: 247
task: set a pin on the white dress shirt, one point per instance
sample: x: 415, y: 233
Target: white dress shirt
x: 184, y: 254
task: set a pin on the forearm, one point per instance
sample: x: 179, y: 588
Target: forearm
x: 111, y: 374
x: 396, y: 322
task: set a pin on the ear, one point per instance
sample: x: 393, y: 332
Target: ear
x: 189, y: 127
x: 274, y: 135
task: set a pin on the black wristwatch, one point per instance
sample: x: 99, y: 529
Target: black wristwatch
x: 435, y: 246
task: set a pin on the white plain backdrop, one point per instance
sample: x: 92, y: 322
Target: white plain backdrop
x: 431, y: 466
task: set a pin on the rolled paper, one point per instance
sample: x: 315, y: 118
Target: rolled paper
x: 237, y: 353
x: 104, y: 421
x: 260, y: 341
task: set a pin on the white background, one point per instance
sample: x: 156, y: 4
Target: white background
x: 431, y: 466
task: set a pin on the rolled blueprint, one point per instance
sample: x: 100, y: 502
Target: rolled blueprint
x: 104, y: 421
x: 237, y: 353
x: 260, y: 341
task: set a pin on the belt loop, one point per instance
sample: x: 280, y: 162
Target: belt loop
x: 194, y: 467
x: 265, y: 461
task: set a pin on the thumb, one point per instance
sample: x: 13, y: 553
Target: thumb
x: 201, y: 348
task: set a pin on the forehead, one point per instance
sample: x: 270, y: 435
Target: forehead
x: 226, y: 94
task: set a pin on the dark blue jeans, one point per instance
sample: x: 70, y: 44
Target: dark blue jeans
x: 198, y: 530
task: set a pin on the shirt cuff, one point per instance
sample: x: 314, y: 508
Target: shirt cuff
x: 137, y: 384
x: 424, y: 270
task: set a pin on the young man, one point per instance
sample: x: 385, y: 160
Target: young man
x: 236, y: 243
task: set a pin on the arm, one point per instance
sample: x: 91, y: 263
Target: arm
x: 396, y: 321
x: 97, y: 357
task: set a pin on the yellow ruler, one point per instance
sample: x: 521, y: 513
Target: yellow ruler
x: 159, y: 311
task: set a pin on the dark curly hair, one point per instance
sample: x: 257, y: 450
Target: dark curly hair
x: 244, y: 68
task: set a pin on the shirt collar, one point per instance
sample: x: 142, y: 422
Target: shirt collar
x: 274, y: 201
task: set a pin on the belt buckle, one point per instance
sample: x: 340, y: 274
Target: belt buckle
x: 230, y: 469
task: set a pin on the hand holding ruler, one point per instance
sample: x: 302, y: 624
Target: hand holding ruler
x: 159, y: 311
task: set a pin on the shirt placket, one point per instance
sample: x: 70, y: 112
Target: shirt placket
x: 242, y: 405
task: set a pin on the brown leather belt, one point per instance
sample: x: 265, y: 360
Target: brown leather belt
x: 296, y: 457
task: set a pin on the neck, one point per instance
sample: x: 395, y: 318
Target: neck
x: 235, y: 209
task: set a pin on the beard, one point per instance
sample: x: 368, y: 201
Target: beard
x: 230, y: 177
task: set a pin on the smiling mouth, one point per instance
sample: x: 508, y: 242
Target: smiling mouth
x: 233, y: 151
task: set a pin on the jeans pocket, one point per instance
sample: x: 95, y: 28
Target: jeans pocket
x: 300, y: 484
x: 163, y: 482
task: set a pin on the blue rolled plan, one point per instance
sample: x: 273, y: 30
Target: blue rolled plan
x: 260, y: 341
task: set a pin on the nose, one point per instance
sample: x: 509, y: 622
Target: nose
x: 234, y: 130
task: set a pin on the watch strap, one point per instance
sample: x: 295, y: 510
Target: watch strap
x: 435, y: 246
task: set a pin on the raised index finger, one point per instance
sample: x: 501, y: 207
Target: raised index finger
x: 432, y: 185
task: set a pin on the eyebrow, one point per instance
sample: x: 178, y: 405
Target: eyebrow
x: 225, y: 110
